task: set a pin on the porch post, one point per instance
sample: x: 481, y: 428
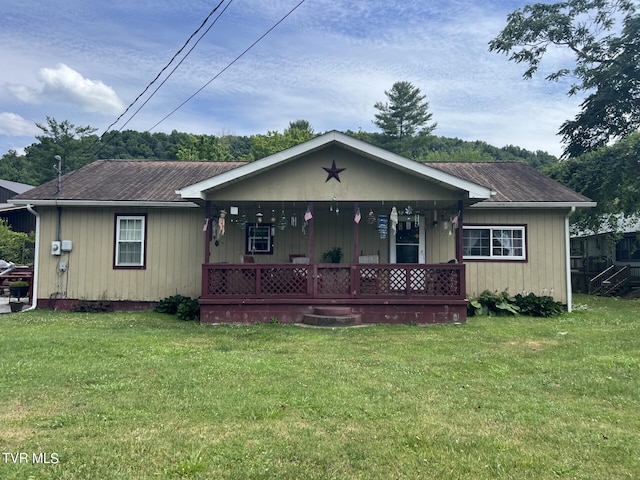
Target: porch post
x: 311, y: 240
x: 207, y: 232
x: 459, y: 243
x: 356, y: 234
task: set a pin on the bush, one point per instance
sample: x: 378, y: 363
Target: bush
x: 500, y: 304
x: 16, y: 247
x: 185, y: 308
x: 492, y: 304
x: 535, y: 306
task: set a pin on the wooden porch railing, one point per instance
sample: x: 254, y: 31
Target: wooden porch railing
x: 377, y: 282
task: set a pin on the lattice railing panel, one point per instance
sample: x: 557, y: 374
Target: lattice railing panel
x: 232, y: 281
x: 284, y: 281
x: 334, y: 281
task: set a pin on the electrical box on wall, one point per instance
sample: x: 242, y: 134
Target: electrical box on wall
x: 66, y: 245
x: 56, y: 248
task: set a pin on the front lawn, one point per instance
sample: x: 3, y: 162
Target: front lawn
x: 146, y: 396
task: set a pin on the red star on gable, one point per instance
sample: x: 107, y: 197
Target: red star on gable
x: 333, y: 172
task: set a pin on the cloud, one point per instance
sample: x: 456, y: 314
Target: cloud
x: 64, y: 84
x: 12, y: 124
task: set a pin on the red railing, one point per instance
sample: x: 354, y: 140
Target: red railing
x: 296, y: 281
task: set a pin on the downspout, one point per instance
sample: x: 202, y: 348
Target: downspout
x: 567, y: 247
x: 36, y: 261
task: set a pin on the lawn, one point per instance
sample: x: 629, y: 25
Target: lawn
x: 147, y: 396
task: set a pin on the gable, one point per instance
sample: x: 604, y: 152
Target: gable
x: 297, y: 181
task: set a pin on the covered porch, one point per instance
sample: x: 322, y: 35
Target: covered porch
x: 273, y: 228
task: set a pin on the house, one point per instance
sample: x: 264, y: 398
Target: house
x: 249, y: 238
x: 606, y: 262
x: 17, y: 217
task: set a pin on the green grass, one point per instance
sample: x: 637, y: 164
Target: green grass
x: 146, y: 396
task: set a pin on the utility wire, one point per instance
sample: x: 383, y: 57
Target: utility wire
x: 170, y: 62
x: 204, y: 22
x: 176, y: 67
x: 229, y: 65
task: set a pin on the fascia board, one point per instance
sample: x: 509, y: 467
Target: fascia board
x: 534, y: 205
x: 103, y: 203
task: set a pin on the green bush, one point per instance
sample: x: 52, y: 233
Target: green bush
x: 492, y: 304
x: 189, y: 309
x: 185, y: 308
x: 535, y: 306
x: 501, y: 304
x: 170, y: 304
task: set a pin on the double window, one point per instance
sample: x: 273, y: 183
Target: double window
x: 494, y: 243
x: 130, y: 241
x: 628, y: 250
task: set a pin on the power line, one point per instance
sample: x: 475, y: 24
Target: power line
x: 204, y: 22
x: 229, y: 65
x: 169, y: 63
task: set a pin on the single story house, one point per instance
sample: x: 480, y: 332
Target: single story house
x: 258, y: 240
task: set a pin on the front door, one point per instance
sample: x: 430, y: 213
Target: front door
x: 408, y: 244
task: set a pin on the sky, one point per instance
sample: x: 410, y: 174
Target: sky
x: 328, y: 62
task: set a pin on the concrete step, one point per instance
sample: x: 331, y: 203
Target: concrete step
x: 332, y: 320
x: 332, y: 311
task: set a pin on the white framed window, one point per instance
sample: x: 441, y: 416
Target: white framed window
x: 494, y: 243
x: 259, y: 240
x: 130, y: 241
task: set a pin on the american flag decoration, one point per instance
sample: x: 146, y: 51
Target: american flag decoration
x: 308, y: 215
x: 358, y: 216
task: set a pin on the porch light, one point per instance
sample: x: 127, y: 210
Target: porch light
x: 259, y: 217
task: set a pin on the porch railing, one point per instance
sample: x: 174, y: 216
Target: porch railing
x: 296, y: 281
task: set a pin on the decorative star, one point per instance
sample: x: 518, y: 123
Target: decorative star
x: 333, y: 172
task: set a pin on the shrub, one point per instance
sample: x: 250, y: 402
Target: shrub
x: 492, y: 304
x: 16, y: 247
x: 500, y: 304
x: 535, y: 306
x: 185, y: 308
x: 92, y: 307
x: 170, y: 304
x: 189, y: 309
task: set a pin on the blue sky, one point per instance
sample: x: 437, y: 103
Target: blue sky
x: 327, y: 63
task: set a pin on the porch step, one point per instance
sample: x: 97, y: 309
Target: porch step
x: 332, y: 311
x: 332, y: 320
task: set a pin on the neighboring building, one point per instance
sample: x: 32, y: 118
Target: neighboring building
x: 249, y: 238
x: 17, y: 217
x: 605, y: 262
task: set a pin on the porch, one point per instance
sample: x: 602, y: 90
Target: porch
x: 380, y: 293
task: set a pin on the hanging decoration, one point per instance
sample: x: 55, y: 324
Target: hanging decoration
x: 371, y: 217
x: 308, y: 215
x: 435, y: 218
x: 408, y: 210
x: 393, y: 219
x: 358, y: 216
x: 221, y: 222
x: 383, y: 226
x: 259, y: 215
x: 282, y: 223
x: 206, y: 224
x: 294, y: 219
x: 273, y: 215
x: 242, y: 222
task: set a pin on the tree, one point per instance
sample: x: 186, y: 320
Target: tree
x: 608, y: 176
x: 405, y: 114
x: 273, y: 142
x: 604, y: 37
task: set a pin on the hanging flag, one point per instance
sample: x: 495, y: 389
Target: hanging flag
x: 358, y: 217
x: 308, y: 215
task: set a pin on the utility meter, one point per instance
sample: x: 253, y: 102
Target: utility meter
x: 56, y: 248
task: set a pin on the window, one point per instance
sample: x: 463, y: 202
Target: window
x: 130, y: 241
x: 499, y: 243
x: 628, y: 250
x: 259, y: 239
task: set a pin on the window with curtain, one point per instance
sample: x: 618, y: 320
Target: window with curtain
x: 130, y: 241
x: 494, y: 242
